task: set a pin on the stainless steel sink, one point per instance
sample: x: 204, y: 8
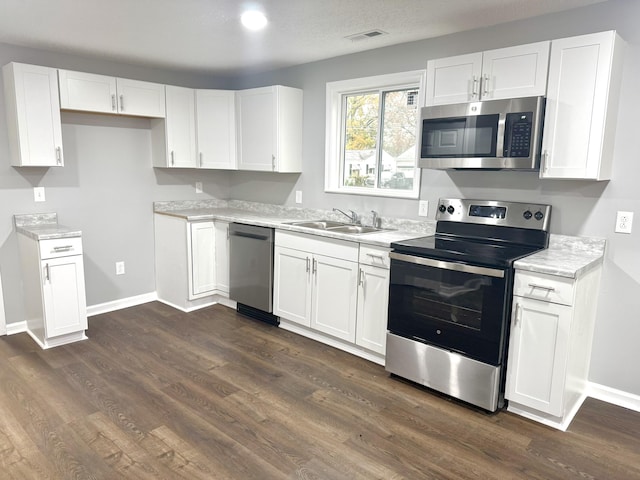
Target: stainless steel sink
x: 318, y: 224
x: 356, y: 229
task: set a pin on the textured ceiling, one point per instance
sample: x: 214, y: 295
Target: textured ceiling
x: 206, y: 36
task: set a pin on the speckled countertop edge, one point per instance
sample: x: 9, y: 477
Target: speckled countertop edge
x: 43, y: 226
x: 566, y: 256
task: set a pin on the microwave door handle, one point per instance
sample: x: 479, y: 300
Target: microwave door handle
x: 459, y: 267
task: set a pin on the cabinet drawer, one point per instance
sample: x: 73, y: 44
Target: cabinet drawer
x: 548, y: 288
x: 316, y: 244
x: 60, y: 247
x: 375, y: 256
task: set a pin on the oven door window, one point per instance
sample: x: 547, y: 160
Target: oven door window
x: 458, y: 311
x: 473, y: 136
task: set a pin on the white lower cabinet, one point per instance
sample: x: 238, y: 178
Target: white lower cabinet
x: 192, y: 261
x: 53, y: 281
x: 550, y: 345
x: 320, y: 286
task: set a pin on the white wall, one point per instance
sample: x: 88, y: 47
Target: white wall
x: 579, y: 207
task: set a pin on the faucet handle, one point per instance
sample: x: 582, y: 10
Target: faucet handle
x: 354, y: 217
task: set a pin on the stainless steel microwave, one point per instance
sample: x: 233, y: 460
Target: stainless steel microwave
x: 491, y: 135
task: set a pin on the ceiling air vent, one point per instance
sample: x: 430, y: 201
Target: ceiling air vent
x: 365, y: 35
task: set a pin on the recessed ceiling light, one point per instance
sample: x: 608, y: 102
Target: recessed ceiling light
x: 253, y: 20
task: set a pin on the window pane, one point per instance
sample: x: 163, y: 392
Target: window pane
x: 361, y: 132
x: 398, y: 140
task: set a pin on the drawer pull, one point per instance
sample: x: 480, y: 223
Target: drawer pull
x: 542, y: 287
x: 63, y: 249
x: 376, y: 255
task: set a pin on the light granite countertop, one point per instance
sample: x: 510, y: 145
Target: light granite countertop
x: 43, y: 226
x: 566, y: 256
x: 274, y: 216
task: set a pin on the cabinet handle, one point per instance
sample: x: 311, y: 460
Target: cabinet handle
x: 59, y: 155
x: 172, y: 159
x: 315, y: 266
x: 518, y: 318
x: 376, y: 255
x: 273, y: 162
x: 308, y: 264
x: 114, y: 107
x: 122, y: 103
x: 62, y: 249
x: 542, y: 287
x: 485, y: 85
x: 200, y: 154
x: 47, y: 275
x: 474, y: 88
x: 545, y: 160
x: 361, y: 277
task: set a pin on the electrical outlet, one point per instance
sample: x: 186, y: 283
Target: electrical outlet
x: 624, y: 221
x: 119, y: 268
x: 298, y: 196
x: 198, y: 187
x: 423, y: 208
x: 38, y: 194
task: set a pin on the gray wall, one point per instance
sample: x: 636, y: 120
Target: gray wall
x: 107, y: 186
x: 579, y: 207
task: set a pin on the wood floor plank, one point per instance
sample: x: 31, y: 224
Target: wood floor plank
x: 158, y: 393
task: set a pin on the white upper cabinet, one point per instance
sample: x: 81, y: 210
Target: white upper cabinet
x: 511, y: 72
x: 100, y: 93
x: 216, y: 129
x: 33, y: 115
x: 180, y: 128
x: 581, y: 109
x: 269, y: 123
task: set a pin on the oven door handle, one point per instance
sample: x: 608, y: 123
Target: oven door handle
x: 459, y: 267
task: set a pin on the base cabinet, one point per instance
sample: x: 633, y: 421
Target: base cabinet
x: 552, y: 325
x: 192, y: 261
x: 334, y: 291
x: 54, y: 288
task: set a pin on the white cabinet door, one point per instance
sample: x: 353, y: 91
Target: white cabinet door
x: 222, y: 256
x: 291, y: 285
x: 202, y: 259
x: 334, y: 299
x: 87, y: 92
x: 180, y: 127
x: 33, y: 115
x: 454, y: 79
x: 63, y: 294
x: 373, y: 302
x: 257, y: 129
x: 538, y: 352
x: 144, y: 99
x: 269, y: 129
x: 515, y: 72
x: 216, y: 129
x: 582, y: 97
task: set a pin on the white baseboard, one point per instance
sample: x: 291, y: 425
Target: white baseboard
x: 121, y: 303
x: 614, y: 396
x: 17, y: 327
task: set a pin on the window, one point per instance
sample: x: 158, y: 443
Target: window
x: 371, y: 135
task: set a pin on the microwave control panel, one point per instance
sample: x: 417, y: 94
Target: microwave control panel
x: 517, y: 135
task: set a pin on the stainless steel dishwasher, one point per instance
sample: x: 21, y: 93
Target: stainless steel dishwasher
x: 251, y: 271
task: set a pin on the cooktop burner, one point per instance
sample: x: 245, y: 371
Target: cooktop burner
x: 489, y: 253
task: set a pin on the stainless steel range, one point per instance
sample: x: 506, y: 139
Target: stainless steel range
x: 450, y: 297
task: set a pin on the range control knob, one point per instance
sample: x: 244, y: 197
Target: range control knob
x: 539, y: 215
x: 450, y: 209
x: 442, y: 208
x: 527, y: 215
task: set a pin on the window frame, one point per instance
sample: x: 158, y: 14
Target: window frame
x: 334, y: 131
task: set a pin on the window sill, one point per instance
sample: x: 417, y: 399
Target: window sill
x: 411, y: 195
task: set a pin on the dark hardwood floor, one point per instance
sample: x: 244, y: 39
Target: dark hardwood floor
x: 156, y: 393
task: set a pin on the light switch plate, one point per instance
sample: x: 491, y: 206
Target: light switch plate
x: 298, y: 196
x: 198, y: 187
x: 119, y: 268
x: 423, y: 208
x: 38, y: 194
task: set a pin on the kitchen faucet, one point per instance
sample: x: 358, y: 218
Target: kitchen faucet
x: 353, y: 216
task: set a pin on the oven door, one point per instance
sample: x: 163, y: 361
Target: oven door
x: 456, y: 306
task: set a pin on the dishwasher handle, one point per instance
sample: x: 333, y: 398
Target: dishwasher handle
x: 251, y: 231
x: 249, y: 235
